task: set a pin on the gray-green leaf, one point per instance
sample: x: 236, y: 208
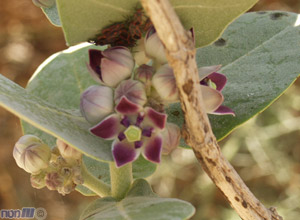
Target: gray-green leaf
x: 82, y: 20
x: 52, y: 15
x: 63, y: 124
x: 141, y: 203
x: 260, y: 55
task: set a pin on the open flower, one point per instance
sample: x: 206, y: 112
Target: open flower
x: 135, y: 130
x: 211, y: 84
x: 111, y: 66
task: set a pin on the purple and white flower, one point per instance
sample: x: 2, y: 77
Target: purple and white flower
x: 135, y: 130
x: 111, y: 66
x: 211, y: 84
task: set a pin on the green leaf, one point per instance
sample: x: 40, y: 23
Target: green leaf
x: 260, y: 54
x: 141, y: 203
x: 208, y: 18
x: 60, y: 80
x: 63, y: 124
x: 52, y: 15
x: 141, y: 168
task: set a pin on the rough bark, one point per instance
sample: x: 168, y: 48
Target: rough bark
x: 198, y: 134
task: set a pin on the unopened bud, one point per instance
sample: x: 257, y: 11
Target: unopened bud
x: 67, y: 151
x: 53, y: 180
x: 165, y: 84
x: 111, y: 66
x: 144, y: 73
x: 133, y: 90
x: 154, y: 48
x: 96, y: 103
x: 31, y: 154
x: 38, y: 181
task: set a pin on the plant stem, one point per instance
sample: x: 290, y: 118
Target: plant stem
x: 96, y: 185
x: 121, y: 179
x: 181, y: 53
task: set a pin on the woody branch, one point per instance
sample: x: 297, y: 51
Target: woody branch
x: 198, y: 134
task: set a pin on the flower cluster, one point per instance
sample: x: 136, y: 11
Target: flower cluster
x: 128, y: 105
x: 57, y: 169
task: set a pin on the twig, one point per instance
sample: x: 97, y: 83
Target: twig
x: 181, y: 52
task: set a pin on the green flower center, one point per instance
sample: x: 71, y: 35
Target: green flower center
x: 133, y: 133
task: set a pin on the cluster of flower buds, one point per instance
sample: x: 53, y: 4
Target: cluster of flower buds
x: 128, y: 105
x: 57, y: 169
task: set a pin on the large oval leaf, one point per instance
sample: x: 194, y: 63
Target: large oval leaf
x: 82, y: 20
x: 141, y: 203
x: 63, y: 124
x: 260, y: 54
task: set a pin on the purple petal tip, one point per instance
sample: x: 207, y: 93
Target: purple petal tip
x: 123, y: 153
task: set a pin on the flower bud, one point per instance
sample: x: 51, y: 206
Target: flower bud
x: 67, y: 151
x: 165, y: 84
x: 154, y: 48
x: 31, y: 154
x: 144, y: 73
x: 171, y: 137
x: 54, y: 180
x: 139, y: 53
x: 111, y: 66
x: 44, y: 3
x: 132, y: 90
x: 38, y: 181
x: 96, y: 103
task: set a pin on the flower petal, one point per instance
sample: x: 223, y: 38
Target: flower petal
x: 212, y: 98
x: 157, y: 119
x: 127, y: 107
x: 124, y: 152
x: 108, y: 128
x: 223, y: 110
x: 171, y: 138
x: 113, y: 73
x: 218, y: 79
x: 152, y: 150
x: 95, y: 57
x: 207, y: 70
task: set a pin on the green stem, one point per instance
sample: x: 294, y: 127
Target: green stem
x: 121, y: 179
x: 96, y: 185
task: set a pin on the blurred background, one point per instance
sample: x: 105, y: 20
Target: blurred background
x: 265, y: 151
